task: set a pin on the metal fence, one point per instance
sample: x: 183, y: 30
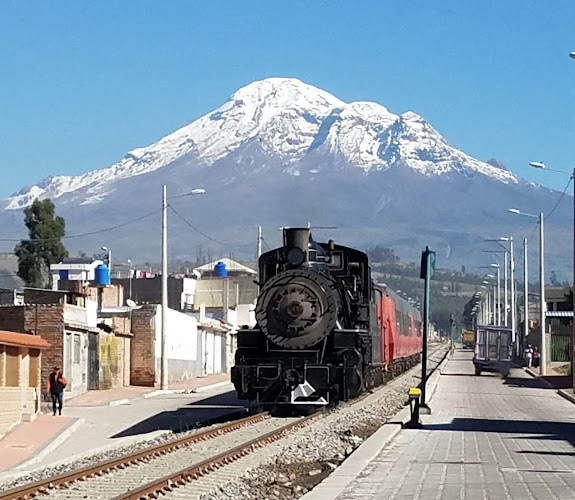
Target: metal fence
x: 561, y: 348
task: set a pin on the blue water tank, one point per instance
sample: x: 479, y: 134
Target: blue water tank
x: 220, y: 270
x: 102, y: 275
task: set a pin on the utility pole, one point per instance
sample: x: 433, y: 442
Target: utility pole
x: 427, y: 272
x: 525, y: 293
x: 505, y: 312
x: 164, y: 354
x: 259, y: 241
x: 513, y: 296
x: 542, y: 303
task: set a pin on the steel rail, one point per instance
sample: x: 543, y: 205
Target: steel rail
x: 167, y: 483
x: 159, y: 487
x: 64, y: 480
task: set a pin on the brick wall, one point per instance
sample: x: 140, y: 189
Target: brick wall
x: 121, y: 325
x: 10, y: 407
x: 12, y: 318
x: 142, y: 369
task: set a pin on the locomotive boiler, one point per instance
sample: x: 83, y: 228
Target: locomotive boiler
x: 323, y: 331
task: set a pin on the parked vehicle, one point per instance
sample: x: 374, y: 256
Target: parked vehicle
x: 492, y: 349
x: 468, y: 339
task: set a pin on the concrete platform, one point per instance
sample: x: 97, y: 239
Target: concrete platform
x: 487, y: 438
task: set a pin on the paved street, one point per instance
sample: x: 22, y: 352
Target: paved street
x: 487, y: 438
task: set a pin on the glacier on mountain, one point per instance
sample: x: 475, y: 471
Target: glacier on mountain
x: 289, y: 119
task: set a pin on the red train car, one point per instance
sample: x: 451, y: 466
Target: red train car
x: 401, y: 331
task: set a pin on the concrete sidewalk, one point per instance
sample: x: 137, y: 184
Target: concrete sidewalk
x: 100, y: 419
x: 28, y: 439
x: 487, y: 438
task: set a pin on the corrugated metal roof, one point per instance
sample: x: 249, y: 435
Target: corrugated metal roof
x: 559, y: 314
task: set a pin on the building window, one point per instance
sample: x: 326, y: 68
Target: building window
x: 77, y: 348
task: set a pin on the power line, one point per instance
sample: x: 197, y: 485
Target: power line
x: 189, y: 224
x: 266, y: 243
x: 82, y: 235
x: 559, y: 200
x: 545, y: 217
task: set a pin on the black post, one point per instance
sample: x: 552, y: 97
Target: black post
x: 428, y: 268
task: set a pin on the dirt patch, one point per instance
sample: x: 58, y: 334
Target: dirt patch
x: 288, y: 481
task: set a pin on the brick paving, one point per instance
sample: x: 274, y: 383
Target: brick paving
x: 487, y: 438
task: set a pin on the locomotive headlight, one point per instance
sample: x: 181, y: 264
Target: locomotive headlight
x: 296, y: 256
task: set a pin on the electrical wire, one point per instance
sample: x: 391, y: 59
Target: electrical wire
x: 560, y: 198
x: 266, y: 244
x: 208, y: 237
x: 545, y: 217
x: 82, y: 235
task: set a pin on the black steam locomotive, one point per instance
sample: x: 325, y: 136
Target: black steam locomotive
x: 313, y: 337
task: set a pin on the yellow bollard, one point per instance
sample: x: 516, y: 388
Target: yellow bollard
x: 414, y: 402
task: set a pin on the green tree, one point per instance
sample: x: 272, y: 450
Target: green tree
x: 44, y: 244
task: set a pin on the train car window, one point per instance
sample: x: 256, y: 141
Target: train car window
x: 418, y: 327
x: 336, y: 261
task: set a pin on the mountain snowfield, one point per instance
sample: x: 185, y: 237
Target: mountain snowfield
x: 280, y: 152
x: 289, y: 119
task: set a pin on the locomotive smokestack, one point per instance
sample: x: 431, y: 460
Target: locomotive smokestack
x: 297, y: 237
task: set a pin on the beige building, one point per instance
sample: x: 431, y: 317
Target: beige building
x: 20, y: 378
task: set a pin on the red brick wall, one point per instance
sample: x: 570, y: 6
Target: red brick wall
x: 122, y: 325
x: 143, y: 363
x: 48, y: 322
x: 44, y: 320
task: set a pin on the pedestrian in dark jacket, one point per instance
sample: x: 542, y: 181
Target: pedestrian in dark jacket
x: 55, y: 385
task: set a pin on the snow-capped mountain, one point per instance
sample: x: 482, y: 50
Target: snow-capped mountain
x: 289, y: 119
x: 284, y: 151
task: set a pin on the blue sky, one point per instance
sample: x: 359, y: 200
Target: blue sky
x: 81, y: 84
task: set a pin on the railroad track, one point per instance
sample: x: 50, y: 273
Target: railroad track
x: 206, y: 451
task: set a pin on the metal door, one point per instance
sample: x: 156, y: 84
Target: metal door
x: 93, y: 362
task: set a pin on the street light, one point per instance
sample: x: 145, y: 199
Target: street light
x: 164, y: 353
x: 512, y: 281
x: 542, y: 304
x: 505, y: 281
x: 498, y: 304
x: 541, y: 165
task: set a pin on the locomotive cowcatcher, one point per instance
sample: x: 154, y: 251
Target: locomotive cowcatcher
x: 325, y: 332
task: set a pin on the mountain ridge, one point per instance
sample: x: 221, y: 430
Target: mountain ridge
x: 280, y: 152
x: 290, y: 119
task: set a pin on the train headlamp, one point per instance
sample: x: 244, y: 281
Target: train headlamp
x: 296, y: 256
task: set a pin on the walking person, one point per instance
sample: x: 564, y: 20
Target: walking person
x: 529, y: 355
x: 55, y: 385
x: 536, y: 357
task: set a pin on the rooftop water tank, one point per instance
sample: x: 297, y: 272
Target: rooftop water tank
x: 102, y: 275
x: 220, y: 270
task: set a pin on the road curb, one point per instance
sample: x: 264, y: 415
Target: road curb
x: 566, y: 395
x: 202, y: 388
x: 542, y: 380
x: 52, y: 445
x: 339, y: 479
